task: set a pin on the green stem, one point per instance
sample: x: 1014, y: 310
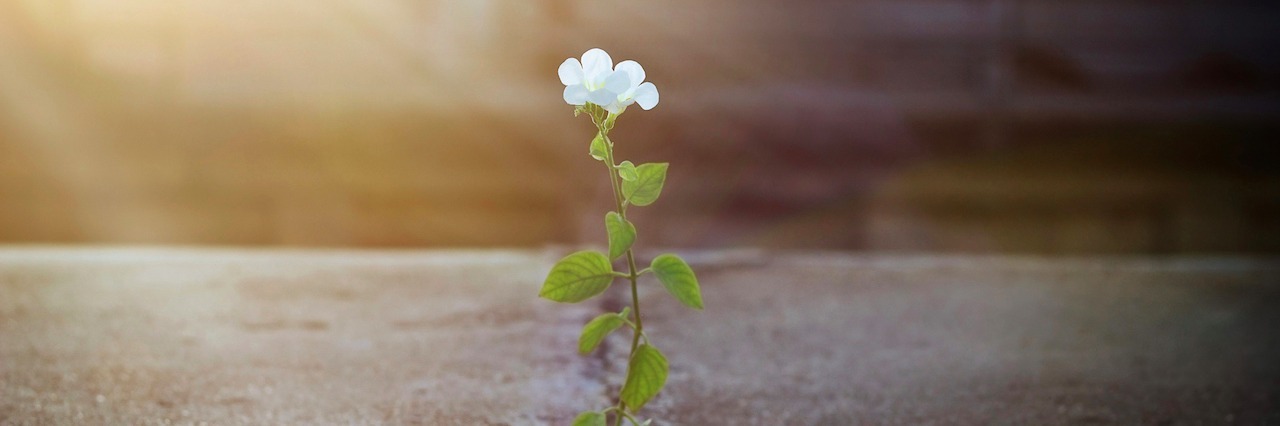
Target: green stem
x: 631, y: 265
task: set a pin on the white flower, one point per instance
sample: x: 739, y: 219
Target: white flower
x: 595, y: 80
x: 591, y: 80
x: 638, y: 91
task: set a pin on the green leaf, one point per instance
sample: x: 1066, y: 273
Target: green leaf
x: 627, y: 171
x: 648, y: 184
x: 678, y: 278
x: 590, y: 418
x: 578, y: 277
x: 645, y: 377
x: 596, y: 330
x: 599, y: 150
x: 622, y: 234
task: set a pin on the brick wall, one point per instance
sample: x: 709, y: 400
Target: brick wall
x: 829, y: 124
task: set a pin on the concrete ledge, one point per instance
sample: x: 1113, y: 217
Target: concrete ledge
x: 192, y: 336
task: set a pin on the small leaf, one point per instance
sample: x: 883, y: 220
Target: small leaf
x: 622, y: 234
x: 596, y: 330
x: 648, y: 184
x: 627, y: 171
x: 645, y: 377
x: 599, y: 150
x: 678, y: 278
x: 590, y: 418
x: 578, y: 277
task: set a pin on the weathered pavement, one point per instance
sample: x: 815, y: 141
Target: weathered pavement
x: 191, y: 336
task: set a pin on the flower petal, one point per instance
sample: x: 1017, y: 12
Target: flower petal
x: 618, y: 82
x: 614, y: 108
x: 575, y: 94
x: 647, y: 96
x: 633, y: 69
x: 596, y: 65
x: 602, y: 97
x: 570, y: 72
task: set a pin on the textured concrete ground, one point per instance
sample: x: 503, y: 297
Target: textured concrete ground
x: 182, y: 336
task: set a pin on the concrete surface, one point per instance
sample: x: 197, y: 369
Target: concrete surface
x: 201, y: 336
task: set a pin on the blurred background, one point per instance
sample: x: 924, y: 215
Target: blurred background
x: 1019, y: 126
